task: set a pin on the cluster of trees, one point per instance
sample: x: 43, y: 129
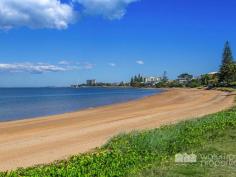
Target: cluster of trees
x: 104, y: 84
x: 225, y: 77
x: 137, y: 81
x: 227, y: 73
x: 138, y: 78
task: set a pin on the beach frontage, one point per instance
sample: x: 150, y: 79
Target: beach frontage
x: 34, y: 141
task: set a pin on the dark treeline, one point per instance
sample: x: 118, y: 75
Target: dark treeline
x: 137, y: 81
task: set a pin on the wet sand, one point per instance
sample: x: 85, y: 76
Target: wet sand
x: 29, y: 142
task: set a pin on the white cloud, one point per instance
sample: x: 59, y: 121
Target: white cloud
x: 35, y: 14
x: 64, y: 62
x: 110, y: 9
x: 81, y: 65
x: 55, y: 14
x: 30, y: 67
x: 112, y: 64
x: 38, y: 68
x: 87, y: 65
x: 140, y: 62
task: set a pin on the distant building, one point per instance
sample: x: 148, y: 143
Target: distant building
x: 184, y: 78
x: 152, y: 80
x: 91, y: 82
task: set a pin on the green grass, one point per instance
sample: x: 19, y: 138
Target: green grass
x: 151, y: 153
x: 225, y: 89
x: 223, y: 144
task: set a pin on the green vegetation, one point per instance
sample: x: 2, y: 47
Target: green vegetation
x: 137, y: 81
x: 224, y: 143
x: 185, y: 76
x: 152, y: 152
x: 225, y: 77
x: 227, y: 73
x: 226, y: 89
x: 164, y: 78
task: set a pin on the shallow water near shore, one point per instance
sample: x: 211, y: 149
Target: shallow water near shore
x: 23, y: 103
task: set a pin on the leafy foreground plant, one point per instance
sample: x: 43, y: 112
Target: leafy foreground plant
x: 134, y: 153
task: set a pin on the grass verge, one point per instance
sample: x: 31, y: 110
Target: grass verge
x: 214, y: 160
x: 151, y: 153
x: 226, y: 89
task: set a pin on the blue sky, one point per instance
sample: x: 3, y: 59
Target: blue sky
x: 57, y: 43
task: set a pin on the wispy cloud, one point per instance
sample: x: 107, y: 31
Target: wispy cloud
x: 112, y: 64
x: 39, y: 68
x: 87, y: 65
x: 140, y: 62
x: 30, y: 67
x: 76, y: 65
x: 35, y: 14
x: 110, y: 9
x: 63, y: 62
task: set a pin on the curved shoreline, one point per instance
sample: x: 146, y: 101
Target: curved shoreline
x: 42, y: 140
x: 36, y: 111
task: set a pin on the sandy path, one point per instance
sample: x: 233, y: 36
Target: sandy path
x: 29, y: 142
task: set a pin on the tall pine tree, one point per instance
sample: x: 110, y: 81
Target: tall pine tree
x: 227, y: 69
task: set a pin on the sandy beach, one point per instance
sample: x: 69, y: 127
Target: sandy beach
x: 42, y: 140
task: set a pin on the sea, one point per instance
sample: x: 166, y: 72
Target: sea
x: 23, y: 103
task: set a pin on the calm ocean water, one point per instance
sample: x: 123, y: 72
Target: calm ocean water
x: 22, y: 103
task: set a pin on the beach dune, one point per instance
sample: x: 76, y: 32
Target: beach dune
x: 29, y: 142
